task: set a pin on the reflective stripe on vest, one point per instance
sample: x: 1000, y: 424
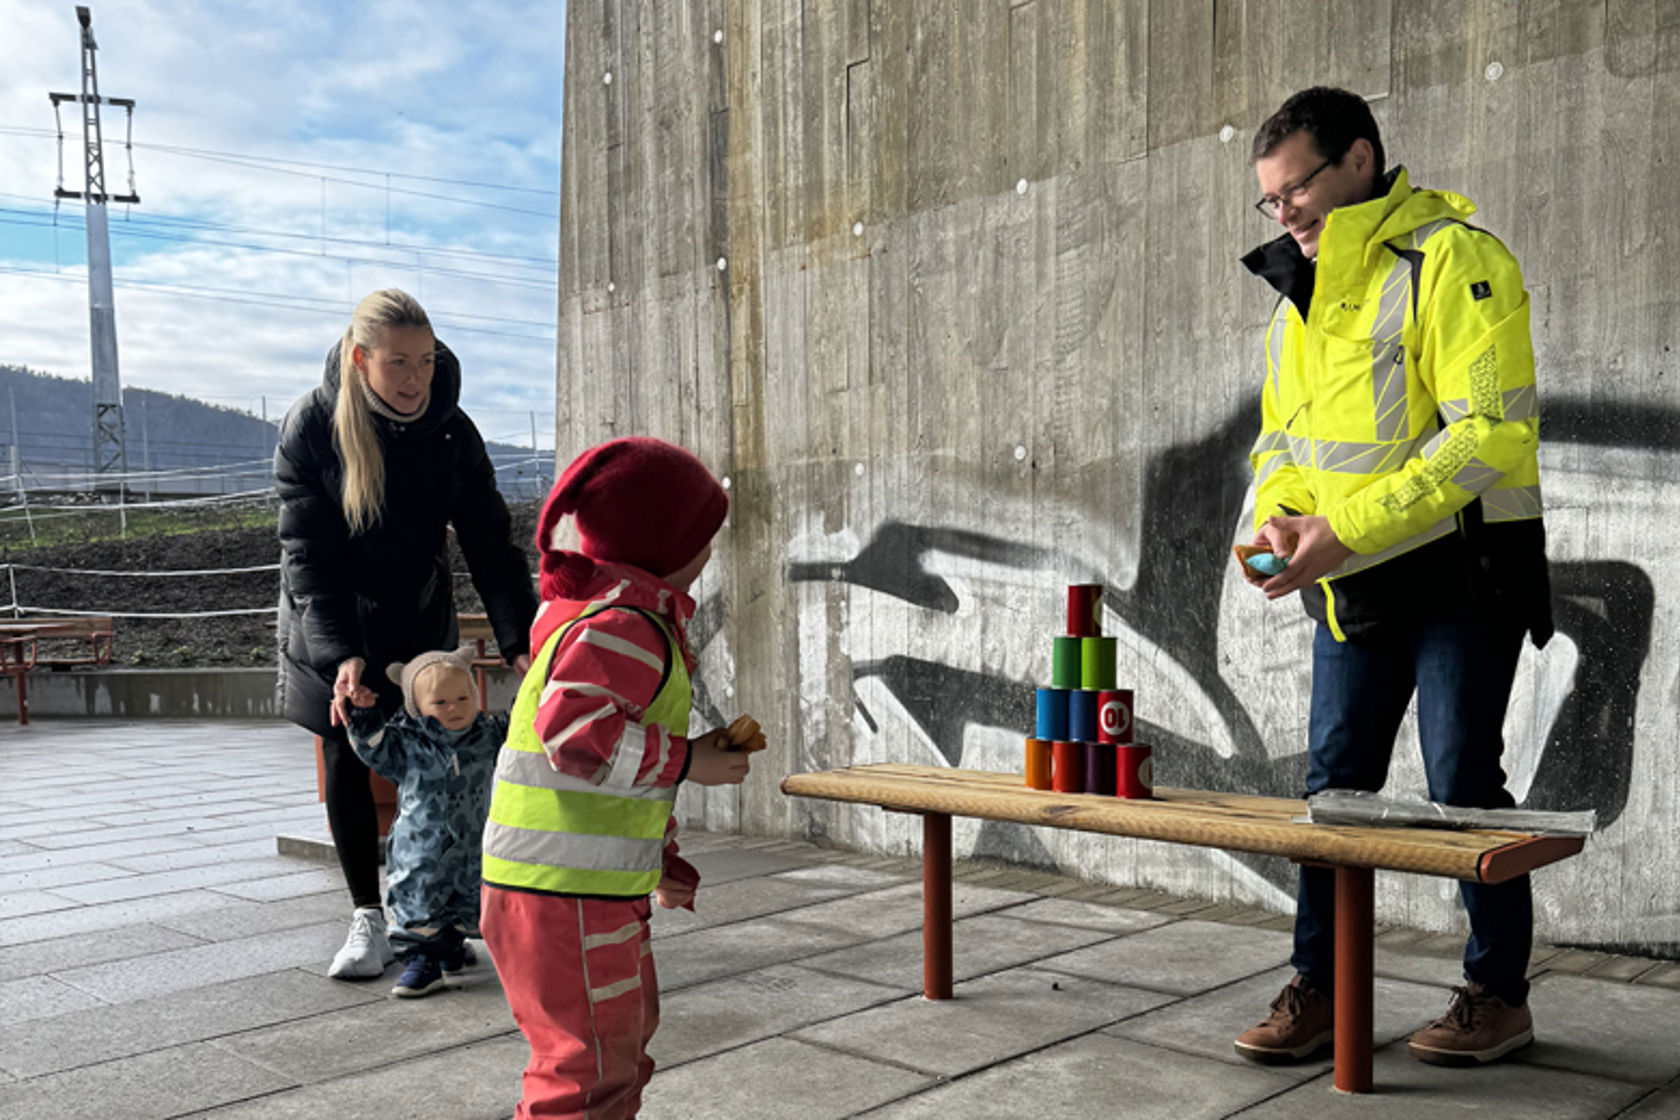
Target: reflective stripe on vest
x: 556, y: 833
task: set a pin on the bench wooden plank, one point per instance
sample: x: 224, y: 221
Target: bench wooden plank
x: 1231, y: 821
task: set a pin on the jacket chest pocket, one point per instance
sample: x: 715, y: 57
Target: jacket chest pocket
x: 1360, y: 384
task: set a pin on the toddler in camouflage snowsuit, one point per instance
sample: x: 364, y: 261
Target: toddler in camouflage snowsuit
x: 440, y: 752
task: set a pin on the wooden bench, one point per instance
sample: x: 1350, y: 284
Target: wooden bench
x: 20, y: 645
x: 1233, y: 822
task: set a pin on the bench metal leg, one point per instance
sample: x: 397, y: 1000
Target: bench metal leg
x: 1354, y: 933
x: 936, y: 905
x: 23, y: 698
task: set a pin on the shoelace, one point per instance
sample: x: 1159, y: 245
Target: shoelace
x: 1465, y: 1012
x: 1290, y: 1003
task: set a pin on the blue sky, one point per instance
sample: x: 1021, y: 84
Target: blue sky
x: 289, y: 159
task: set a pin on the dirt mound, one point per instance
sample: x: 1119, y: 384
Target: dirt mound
x: 239, y: 639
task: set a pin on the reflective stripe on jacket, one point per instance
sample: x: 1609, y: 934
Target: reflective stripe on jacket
x: 1403, y: 391
x: 549, y: 831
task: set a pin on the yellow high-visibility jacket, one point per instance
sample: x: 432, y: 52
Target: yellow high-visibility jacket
x: 1399, y: 403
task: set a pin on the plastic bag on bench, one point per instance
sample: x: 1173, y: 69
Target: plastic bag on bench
x: 1347, y: 806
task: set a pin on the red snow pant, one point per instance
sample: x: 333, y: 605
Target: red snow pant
x: 578, y: 973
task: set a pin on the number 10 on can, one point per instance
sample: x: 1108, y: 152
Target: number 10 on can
x: 1114, y: 715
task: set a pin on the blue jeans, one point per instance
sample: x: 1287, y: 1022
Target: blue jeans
x: 1461, y: 667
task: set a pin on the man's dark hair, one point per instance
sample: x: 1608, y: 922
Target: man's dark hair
x: 1334, y: 118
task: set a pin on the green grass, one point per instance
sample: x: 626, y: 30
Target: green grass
x: 93, y: 523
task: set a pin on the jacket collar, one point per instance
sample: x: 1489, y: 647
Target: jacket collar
x: 573, y: 583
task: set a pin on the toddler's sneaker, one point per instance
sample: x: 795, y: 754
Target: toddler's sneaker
x: 458, y: 961
x: 420, y: 977
x: 366, y: 950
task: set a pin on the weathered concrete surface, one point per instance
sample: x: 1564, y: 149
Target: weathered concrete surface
x: 949, y: 291
x: 176, y: 967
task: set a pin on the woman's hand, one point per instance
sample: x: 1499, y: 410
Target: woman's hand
x: 348, y: 684
x: 710, y: 765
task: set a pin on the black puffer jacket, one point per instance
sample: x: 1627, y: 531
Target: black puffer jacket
x: 386, y: 594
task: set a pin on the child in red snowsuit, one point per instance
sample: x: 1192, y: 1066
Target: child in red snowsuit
x: 580, y: 828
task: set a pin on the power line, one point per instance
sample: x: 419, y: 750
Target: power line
x: 24, y: 130
x: 150, y: 235
x: 334, y: 308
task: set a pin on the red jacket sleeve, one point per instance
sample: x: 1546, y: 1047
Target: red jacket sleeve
x: 606, y: 672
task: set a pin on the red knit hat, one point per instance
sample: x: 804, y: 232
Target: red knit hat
x: 636, y: 500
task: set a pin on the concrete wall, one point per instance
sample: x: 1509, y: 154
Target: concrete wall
x: 949, y: 290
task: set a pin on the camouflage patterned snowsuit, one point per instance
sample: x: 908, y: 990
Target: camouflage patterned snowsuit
x: 433, y: 858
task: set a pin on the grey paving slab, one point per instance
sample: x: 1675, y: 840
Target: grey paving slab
x: 379, y: 1029
x: 1407, y: 1089
x: 40, y: 997
x: 201, y: 965
x: 255, y: 832
x: 93, y: 1036
x: 741, y: 899
x: 709, y: 1018
x: 988, y: 1020
x: 15, y: 848
x: 1583, y: 1025
x: 897, y: 909
x: 186, y: 878
x: 777, y: 1079
x: 693, y: 958
x: 24, y: 903
x: 50, y: 878
x: 240, y: 918
x: 1186, y: 956
x: 979, y: 945
x: 87, y: 837
x: 38, y: 957
x: 1096, y: 1075
x: 1663, y: 1104
x: 476, y: 1082
x: 172, y: 811
x: 726, y: 865
x: 1087, y: 915
x: 278, y: 887
x: 151, y: 1086
x: 110, y: 915
x: 97, y: 853
x: 194, y: 854
x: 1208, y: 1023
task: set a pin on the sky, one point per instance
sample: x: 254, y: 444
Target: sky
x: 290, y: 158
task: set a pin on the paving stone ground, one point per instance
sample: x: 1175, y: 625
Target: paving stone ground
x: 159, y: 957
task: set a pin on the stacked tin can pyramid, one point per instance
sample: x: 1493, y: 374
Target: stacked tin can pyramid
x: 1083, y: 739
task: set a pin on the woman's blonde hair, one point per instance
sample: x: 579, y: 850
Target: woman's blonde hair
x: 353, y: 431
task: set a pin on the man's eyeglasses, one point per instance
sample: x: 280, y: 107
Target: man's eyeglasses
x: 1272, y: 203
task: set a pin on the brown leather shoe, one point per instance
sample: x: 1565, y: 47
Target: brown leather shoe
x: 1477, y: 1028
x: 1301, y: 1023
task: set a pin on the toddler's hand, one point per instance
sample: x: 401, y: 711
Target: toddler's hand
x: 363, y: 697
x: 710, y: 765
x: 674, y: 896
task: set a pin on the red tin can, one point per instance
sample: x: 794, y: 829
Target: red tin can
x: 1068, y: 775
x: 1114, y: 715
x: 1134, y: 770
x: 1085, y: 610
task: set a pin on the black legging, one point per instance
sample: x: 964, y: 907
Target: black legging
x: 352, y: 817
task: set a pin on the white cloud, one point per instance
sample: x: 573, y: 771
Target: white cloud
x: 451, y: 91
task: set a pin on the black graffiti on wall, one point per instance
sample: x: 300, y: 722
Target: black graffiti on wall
x: 1193, y: 495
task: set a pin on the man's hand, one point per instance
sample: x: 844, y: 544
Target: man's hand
x: 710, y: 765
x: 1312, y: 547
x: 522, y: 664
x: 345, y: 689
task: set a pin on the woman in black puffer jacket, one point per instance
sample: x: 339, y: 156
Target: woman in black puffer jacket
x: 371, y: 468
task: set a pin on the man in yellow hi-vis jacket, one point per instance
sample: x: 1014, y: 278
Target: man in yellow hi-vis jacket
x: 1396, y: 468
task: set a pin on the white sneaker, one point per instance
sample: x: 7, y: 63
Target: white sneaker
x: 366, y: 951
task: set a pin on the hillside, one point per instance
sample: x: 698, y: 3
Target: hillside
x: 231, y: 640
x: 53, y: 419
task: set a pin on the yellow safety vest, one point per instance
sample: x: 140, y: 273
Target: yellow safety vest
x: 1408, y: 390
x: 557, y: 834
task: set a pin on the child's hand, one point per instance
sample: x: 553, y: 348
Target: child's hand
x: 674, y: 896
x: 363, y: 697
x: 349, y: 679
x: 711, y: 765
x: 743, y: 735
